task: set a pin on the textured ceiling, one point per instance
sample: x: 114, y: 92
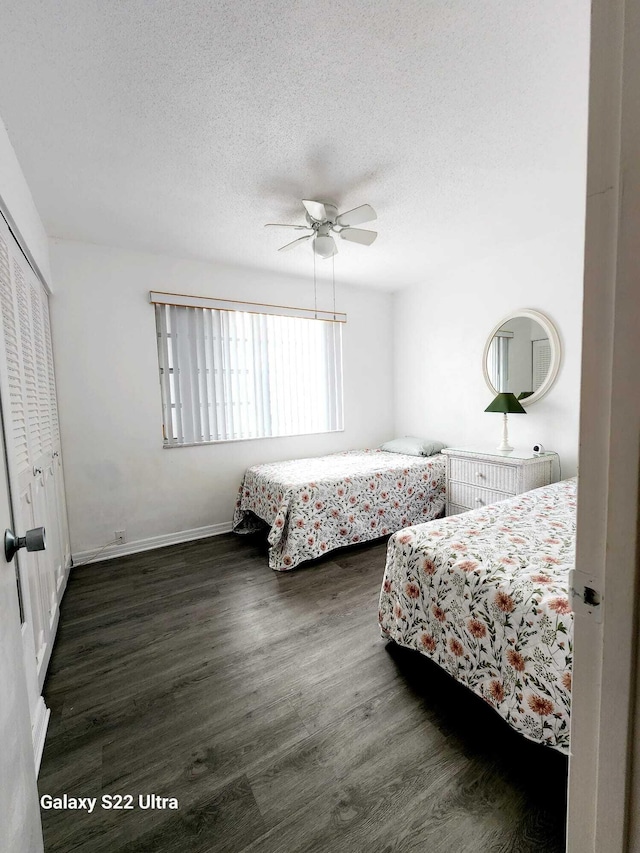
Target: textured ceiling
x: 182, y: 127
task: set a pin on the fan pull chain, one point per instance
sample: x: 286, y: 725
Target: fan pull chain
x: 315, y: 288
x: 333, y: 276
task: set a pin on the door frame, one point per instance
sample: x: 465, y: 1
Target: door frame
x: 601, y: 786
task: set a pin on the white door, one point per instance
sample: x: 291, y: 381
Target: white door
x: 20, y: 830
x: 32, y: 437
x: 604, y: 769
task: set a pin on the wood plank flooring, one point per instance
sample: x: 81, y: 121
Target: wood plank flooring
x: 268, y: 705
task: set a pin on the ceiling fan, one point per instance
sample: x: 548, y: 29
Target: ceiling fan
x: 323, y: 219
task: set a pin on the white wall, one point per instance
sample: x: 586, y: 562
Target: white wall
x: 117, y: 473
x: 441, y: 330
x: 18, y: 200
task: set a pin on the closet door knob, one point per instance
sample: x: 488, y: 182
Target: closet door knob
x: 33, y: 540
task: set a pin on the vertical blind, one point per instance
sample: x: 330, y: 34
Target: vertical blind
x: 228, y: 374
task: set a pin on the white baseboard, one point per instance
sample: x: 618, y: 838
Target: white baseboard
x: 39, y: 731
x: 113, y: 551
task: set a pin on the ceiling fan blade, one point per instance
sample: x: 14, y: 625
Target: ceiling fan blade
x: 288, y: 246
x: 325, y: 246
x: 282, y: 225
x: 316, y: 210
x: 359, y: 235
x: 364, y: 213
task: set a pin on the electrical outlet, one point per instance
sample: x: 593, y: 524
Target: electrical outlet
x: 121, y: 537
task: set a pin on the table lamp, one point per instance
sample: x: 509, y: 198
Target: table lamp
x: 507, y: 404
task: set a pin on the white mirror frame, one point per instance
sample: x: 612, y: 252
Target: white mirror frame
x: 554, y: 342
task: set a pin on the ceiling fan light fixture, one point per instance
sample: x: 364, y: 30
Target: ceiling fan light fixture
x: 324, y: 246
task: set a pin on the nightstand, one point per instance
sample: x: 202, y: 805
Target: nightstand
x: 478, y: 477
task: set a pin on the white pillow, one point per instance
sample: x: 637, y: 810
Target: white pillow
x: 413, y: 446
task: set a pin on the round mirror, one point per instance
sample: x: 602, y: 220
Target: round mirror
x: 522, y: 355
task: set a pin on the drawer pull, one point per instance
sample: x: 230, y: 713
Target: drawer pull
x: 480, y: 475
x: 480, y: 501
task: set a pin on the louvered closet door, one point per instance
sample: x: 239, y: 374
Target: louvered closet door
x: 57, y: 500
x: 33, y: 444
x: 14, y: 410
x: 45, y: 467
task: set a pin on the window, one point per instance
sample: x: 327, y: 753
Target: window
x: 232, y: 370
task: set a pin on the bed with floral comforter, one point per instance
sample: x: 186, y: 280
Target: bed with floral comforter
x: 315, y: 505
x: 485, y: 595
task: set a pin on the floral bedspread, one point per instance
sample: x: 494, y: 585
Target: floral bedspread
x: 318, y: 504
x: 485, y: 595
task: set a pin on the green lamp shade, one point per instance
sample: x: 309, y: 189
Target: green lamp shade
x: 506, y: 402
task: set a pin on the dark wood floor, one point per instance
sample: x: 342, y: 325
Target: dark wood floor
x: 269, y: 706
